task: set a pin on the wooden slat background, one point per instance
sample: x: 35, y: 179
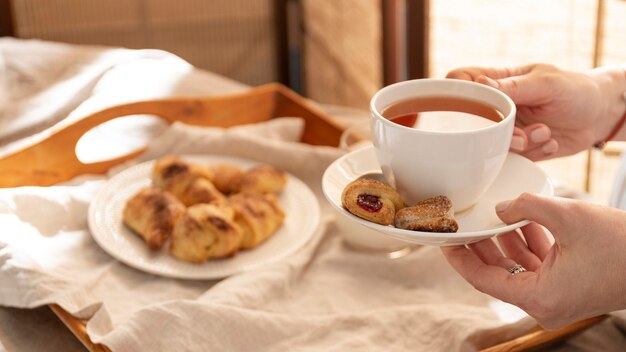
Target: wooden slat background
x: 235, y: 38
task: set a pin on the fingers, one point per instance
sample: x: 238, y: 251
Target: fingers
x: 538, y: 134
x: 467, y: 74
x: 547, y: 211
x: 490, y: 279
x: 541, y: 145
x: 490, y: 254
x: 523, y: 90
x: 473, y: 73
x: 516, y: 249
x: 520, y: 83
x: 534, y: 142
x: 545, y: 151
x: 519, y: 141
x: 537, y: 240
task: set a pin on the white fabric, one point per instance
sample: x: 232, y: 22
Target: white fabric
x: 325, y: 297
x: 44, y: 84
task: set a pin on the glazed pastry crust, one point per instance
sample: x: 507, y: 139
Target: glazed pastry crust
x: 189, y: 182
x: 258, y: 215
x: 152, y: 213
x: 212, y: 225
x: 205, y: 231
x: 169, y: 168
x: 260, y: 179
x: 225, y: 176
x: 429, y: 215
x: 372, y: 200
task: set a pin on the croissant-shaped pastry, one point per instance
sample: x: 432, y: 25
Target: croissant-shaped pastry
x: 200, y: 190
x: 189, y: 182
x: 226, y: 177
x: 430, y: 215
x: 168, y: 168
x: 261, y: 179
x: 152, y: 213
x: 258, y: 215
x: 205, y: 231
x: 372, y: 200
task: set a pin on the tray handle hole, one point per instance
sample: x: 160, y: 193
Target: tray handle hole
x: 118, y: 137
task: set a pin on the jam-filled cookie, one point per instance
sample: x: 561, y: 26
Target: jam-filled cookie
x: 372, y: 200
x: 429, y: 215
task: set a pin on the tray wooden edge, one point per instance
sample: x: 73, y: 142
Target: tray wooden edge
x: 543, y: 338
x: 53, y: 159
x: 78, y: 328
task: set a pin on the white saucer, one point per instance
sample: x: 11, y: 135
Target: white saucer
x: 105, y: 222
x: 518, y: 175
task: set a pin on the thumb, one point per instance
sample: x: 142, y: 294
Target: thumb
x: 523, y: 90
x: 547, y: 211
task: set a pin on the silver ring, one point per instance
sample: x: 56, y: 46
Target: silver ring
x: 516, y: 269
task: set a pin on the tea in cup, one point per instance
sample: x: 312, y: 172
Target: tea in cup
x: 441, y: 137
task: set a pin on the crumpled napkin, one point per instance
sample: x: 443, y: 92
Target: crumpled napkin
x: 324, y: 297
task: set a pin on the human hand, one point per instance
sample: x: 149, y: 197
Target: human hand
x: 559, y: 112
x: 579, y: 276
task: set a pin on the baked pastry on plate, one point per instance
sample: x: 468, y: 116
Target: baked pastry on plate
x: 152, y: 213
x: 190, y: 183
x: 205, y: 231
x: 225, y: 176
x: 261, y: 179
x: 258, y: 215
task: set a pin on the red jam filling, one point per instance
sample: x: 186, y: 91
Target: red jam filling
x: 369, y: 202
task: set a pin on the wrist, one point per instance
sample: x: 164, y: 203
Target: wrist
x: 611, y: 82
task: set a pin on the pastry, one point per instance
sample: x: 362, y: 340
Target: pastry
x: 152, y: 213
x: 205, y: 231
x: 212, y: 225
x: 168, y: 168
x: 372, y: 200
x: 200, y: 190
x: 225, y: 176
x: 430, y: 215
x: 190, y: 183
x: 261, y: 179
x: 258, y: 215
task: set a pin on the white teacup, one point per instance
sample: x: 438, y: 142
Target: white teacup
x: 458, y: 163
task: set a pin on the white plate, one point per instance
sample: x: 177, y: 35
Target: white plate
x: 105, y: 222
x: 518, y: 175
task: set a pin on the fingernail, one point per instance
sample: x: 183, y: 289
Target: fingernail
x: 550, y: 148
x: 517, y: 143
x: 502, y: 206
x: 540, y: 135
x: 490, y: 82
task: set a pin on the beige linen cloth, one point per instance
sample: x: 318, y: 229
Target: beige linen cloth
x: 324, y: 297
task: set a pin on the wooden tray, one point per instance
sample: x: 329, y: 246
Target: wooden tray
x: 53, y: 160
